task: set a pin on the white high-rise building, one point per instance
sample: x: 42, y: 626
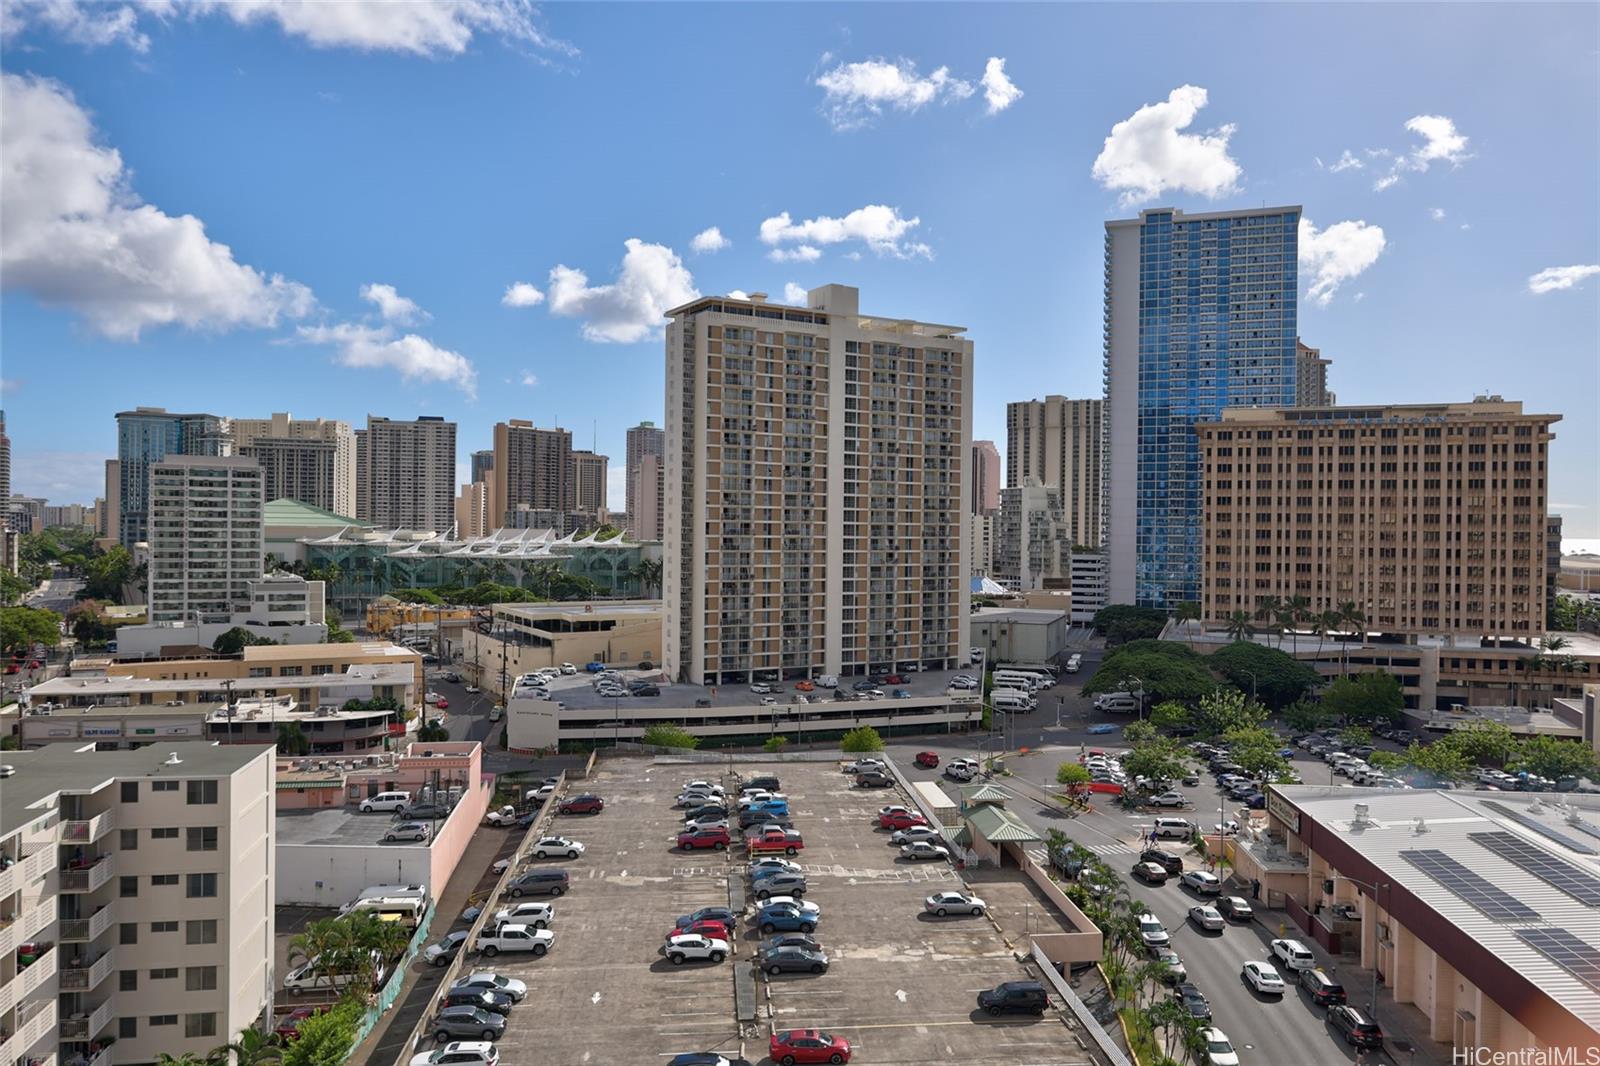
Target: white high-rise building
x: 406, y: 473
x: 1032, y: 543
x: 817, y: 462
x: 143, y: 882
x: 646, y: 470
x: 205, y: 517
x: 311, y: 460
x: 1060, y: 442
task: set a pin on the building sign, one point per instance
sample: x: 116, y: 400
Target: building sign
x: 1283, y: 810
x: 102, y: 730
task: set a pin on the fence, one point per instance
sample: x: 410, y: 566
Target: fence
x: 1109, y: 1051
x: 397, y: 979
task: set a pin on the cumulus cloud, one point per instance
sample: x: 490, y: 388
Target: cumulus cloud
x: 652, y: 281
x: 878, y: 226
x: 529, y: 379
x: 521, y: 294
x: 999, y: 91
x: 794, y: 295
x: 435, y: 28
x: 78, y: 237
x: 1551, y: 279
x: 1148, y: 153
x: 708, y: 241
x: 1436, y: 213
x: 392, y: 306
x: 416, y: 358
x: 1333, y: 256
x: 1441, y: 142
x: 738, y: 294
x: 854, y: 94
x: 1347, y: 161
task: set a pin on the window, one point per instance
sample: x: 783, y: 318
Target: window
x: 163, y: 786
x: 202, y: 886
x: 199, y: 1025
x: 163, y: 1019
x: 163, y: 927
x: 128, y: 980
x: 166, y: 973
x: 163, y: 879
x: 127, y: 887
x: 201, y: 932
x: 202, y: 792
x: 130, y: 792
x: 200, y: 978
x: 169, y: 833
x: 130, y: 839
x: 203, y: 838
x: 128, y: 933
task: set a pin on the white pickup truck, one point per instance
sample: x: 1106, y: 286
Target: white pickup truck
x: 516, y: 938
x: 504, y: 816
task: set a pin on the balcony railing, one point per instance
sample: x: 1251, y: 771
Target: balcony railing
x: 29, y: 1033
x: 26, y: 871
x: 35, y: 915
x: 81, y: 976
x: 88, y: 831
x: 87, y: 878
x: 87, y: 1027
x: 83, y: 930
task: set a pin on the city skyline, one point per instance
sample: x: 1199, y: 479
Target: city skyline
x: 486, y: 274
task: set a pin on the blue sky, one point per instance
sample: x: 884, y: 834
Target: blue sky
x: 451, y: 151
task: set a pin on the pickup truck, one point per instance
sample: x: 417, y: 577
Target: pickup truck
x: 516, y: 938
x: 777, y: 842
x: 504, y: 816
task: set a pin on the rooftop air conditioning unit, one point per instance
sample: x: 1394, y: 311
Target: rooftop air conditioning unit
x: 1361, y: 818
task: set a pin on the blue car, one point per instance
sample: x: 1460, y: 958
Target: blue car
x: 784, y: 919
x: 595, y: 668
x: 1100, y: 728
x: 1286, y: 753
x: 779, y: 807
x: 901, y: 694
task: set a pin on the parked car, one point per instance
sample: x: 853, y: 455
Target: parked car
x: 444, y: 951
x: 459, y: 1053
x: 1014, y: 997
x: 1357, y: 1028
x: 915, y: 833
x: 861, y: 766
x: 1152, y: 932
x: 783, y: 918
x: 1219, y: 1049
x: 707, y: 914
x: 1207, y: 917
x: 515, y: 937
x: 874, y: 779
x: 790, y: 940
x: 288, y: 1030
x: 539, y: 883
x: 1321, y: 987
x: 556, y: 847
x: 716, y: 839
x: 918, y: 850
x: 584, y: 804
x: 1236, y: 908
x: 780, y: 884
x: 1293, y: 954
x: 928, y: 759
x: 768, y: 865
x: 1169, y: 862
x: 495, y: 1002
x: 1150, y: 873
x: 943, y: 903
x: 692, y: 947
x: 473, y: 1022
x: 787, y: 1047
x: 901, y: 820
x: 793, y: 960
x: 1202, y: 882
x: 761, y: 689
x: 1263, y: 977
x: 1192, y: 1000
x: 538, y: 915
x: 1173, y: 970
x: 407, y: 831
x: 1169, y: 799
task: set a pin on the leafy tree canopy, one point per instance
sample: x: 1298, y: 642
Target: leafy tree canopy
x: 1225, y: 709
x: 105, y: 575
x: 1071, y: 774
x: 1164, y: 670
x: 237, y: 640
x: 775, y: 743
x: 1136, y: 733
x: 325, y: 1039
x: 23, y: 627
x: 1121, y: 622
x: 1276, y: 678
x: 1364, y: 698
x: 861, y: 738
x: 1159, y: 760
x: 1554, y: 757
x: 1305, y: 716
x: 1170, y: 715
x: 667, y: 735
x: 428, y: 596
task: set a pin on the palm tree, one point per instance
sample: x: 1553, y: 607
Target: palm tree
x: 188, y: 1058
x: 1555, y: 643
x: 1286, y: 617
x: 1189, y: 611
x: 648, y: 571
x: 292, y: 739
x: 1239, y: 627
x: 323, y: 942
x: 1325, y: 622
x: 1267, y: 607
x: 251, y: 1048
x: 1350, y: 615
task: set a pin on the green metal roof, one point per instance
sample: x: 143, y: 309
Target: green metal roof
x: 286, y: 512
x: 972, y: 795
x: 999, y: 826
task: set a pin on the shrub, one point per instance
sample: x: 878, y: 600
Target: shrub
x: 862, y: 738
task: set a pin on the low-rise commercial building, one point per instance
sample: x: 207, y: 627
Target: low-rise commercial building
x: 525, y: 637
x: 280, y: 607
x: 143, y: 883
x: 1015, y: 634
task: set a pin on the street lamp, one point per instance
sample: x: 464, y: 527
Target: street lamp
x: 1374, y: 888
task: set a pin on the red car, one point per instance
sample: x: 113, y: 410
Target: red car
x: 289, y: 1028
x: 704, y: 838
x: 901, y: 820
x: 582, y: 805
x: 441, y: 703
x: 894, y: 679
x: 928, y: 759
x: 706, y: 928
x: 789, y: 1046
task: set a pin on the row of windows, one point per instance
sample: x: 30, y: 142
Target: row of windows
x: 197, y: 792
x: 198, y: 931
x: 198, y: 837
x: 197, y: 886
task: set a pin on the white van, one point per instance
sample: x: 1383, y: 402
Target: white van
x: 386, y: 892
x: 1173, y: 829
x: 1116, y: 703
x: 304, y: 978
x: 406, y: 911
x: 1008, y: 699
x: 385, y: 801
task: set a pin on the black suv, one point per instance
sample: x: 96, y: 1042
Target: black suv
x: 482, y: 998
x: 874, y: 779
x: 1357, y: 1029
x: 644, y: 688
x: 1192, y: 1000
x: 539, y: 883
x: 1014, y: 997
x: 770, y: 784
x: 1323, y: 990
x: 1164, y: 859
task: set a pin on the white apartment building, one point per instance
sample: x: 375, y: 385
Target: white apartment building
x: 205, y: 536
x: 406, y: 473
x: 143, y: 880
x: 1061, y: 443
x: 311, y: 460
x: 1090, y: 586
x: 818, y: 463
x: 1032, y: 542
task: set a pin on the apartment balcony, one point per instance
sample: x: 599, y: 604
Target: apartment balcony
x: 87, y: 832
x: 89, y: 876
x: 87, y: 1026
x: 26, y: 871
x: 33, y: 916
x: 84, y: 930
x: 28, y: 979
x: 29, y: 1033
x: 80, y: 975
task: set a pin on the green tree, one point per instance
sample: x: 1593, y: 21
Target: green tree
x: 1137, y: 733
x: 1170, y: 715
x: 23, y: 627
x: 1482, y: 742
x: 648, y: 571
x: 1271, y: 676
x: 188, y: 1058
x: 337, y: 634
x: 250, y: 1048
x: 1121, y: 623
x: 1165, y: 671
x: 1305, y: 716
x: 862, y: 738
x: 1255, y: 749
x: 1159, y: 760
x: 292, y: 740
x: 1445, y: 763
x: 1554, y: 757
x: 1072, y: 775
x: 236, y: 640
x: 105, y: 575
x: 1373, y: 696
x: 1355, y: 736
x: 1188, y: 611
x: 1239, y: 627
x: 12, y: 587
x: 325, y: 1039
x: 427, y: 596
x: 775, y: 743
x: 433, y: 732
x: 1223, y: 709
x: 667, y: 735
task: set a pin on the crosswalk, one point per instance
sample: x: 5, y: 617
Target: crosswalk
x: 1042, y: 857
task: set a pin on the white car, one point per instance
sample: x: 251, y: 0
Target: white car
x: 760, y: 689
x: 490, y: 981
x: 1207, y: 917
x: 1202, y: 882
x: 504, y: 816
x: 568, y: 668
x: 1294, y: 955
x: 1262, y: 977
x: 701, y: 786
x: 690, y: 946
x: 769, y: 701
x: 1230, y: 827
x: 1169, y: 799
x: 1219, y: 1051
x: 861, y: 766
x: 432, y: 697
x: 460, y: 1053
x: 921, y: 849
x: 924, y: 833
x: 540, y: 794
x: 1152, y: 932
x: 472, y: 690
x: 705, y: 821
x: 557, y: 848
x: 942, y: 903
x: 538, y: 915
x: 893, y: 808
x: 749, y: 799
x: 805, y: 906
x: 513, y: 937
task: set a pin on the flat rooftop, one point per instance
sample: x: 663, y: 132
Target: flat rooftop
x: 43, y: 773
x: 1560, y: 831
x: 533, y: 612
x: 1028, y: 615
x: 578, y: 693
x: 342, y: 825
x: 359, y: 675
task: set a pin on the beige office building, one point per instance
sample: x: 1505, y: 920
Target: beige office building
x: 589, y: 483
x: 533, y: 470
x: 646, y: 491
x: 817, y: 460
x: 985, y: 477
x: 406, y: 473
x: 310, y: 460
x: 143, y: 880
x: 1060, y: 442
x: 1311, y: 377
x: 205, y: 522
x: 472, y: 511
x: 1429, y: 517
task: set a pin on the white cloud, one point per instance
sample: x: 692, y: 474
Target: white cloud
x: 1347, y: 161
x: 521, y: 294
x: 1147, y: 153
x: 416, y: 358
x: 435, y: 28
x: 529, y: 379
x: 1385, y: 182
x: 1358, y: 297
x: 1550, y: 279
x: 1441, y: 142
x: 854, y: 94
x: 77, y: 236
x: 392, y: 306
x: 709, y: 240
x: 738, y: 294
x: 794, y: 295
x: 653, y: 280
x: 802, y: 253
x: 878, y: 226
x: 1466, y: 225
x: 10, y: 386
x: 999, y: 91
x: 1333, y: 256
x: 1436, y: 213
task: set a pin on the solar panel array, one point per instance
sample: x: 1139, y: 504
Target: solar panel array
x: 1471, y: 888
x: 1573, y: 880
x: 1578, y: 957
x: 1530, y: 822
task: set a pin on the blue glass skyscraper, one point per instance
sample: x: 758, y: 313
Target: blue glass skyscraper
x: 1200, y: 314
x: 148, y: 435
